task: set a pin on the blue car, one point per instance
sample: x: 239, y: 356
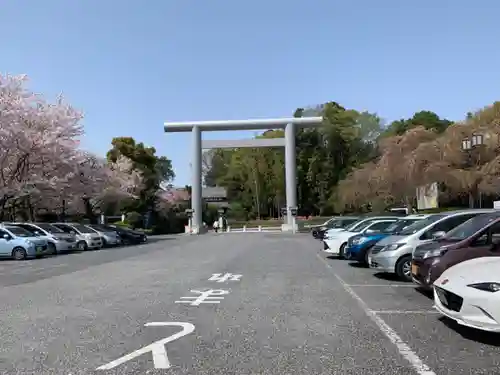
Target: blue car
x: 358, y: 246
x: 18, y: 243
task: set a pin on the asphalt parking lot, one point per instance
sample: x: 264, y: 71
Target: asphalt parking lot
x: 256, y: 303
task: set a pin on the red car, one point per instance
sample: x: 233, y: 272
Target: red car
x: 477, y: 237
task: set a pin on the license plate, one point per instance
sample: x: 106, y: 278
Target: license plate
x: 414, y: 269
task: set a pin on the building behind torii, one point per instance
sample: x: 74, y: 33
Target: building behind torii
x: 197, y: 127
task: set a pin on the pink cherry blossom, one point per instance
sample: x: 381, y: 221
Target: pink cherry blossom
x: 40, y: 155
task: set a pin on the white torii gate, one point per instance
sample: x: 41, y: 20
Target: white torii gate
x: 197, y: 127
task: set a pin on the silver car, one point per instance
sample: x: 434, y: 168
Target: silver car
x: 86, y: 238
x: 393, y: 254
x: 57, y: 240
x: 108, y: 235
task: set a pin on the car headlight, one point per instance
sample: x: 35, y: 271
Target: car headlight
x: 487, y: 287
x: 392, y: 247
x: 434, y: 253
x: 359, y: 240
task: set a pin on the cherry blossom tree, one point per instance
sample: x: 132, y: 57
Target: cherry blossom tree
x: 40, y: 159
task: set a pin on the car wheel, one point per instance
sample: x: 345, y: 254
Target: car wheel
x: 19, y: 253
x: 403, y: 268
x: 52, y: 248
x: 82, y: 246
x: 342, y: 251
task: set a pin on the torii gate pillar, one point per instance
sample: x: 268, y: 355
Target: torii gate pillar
x: 196, y: 128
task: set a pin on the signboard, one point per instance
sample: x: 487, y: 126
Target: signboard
x: 215, y: 199
x: 496, y: 205
x: 427, y: 196
x: 214, y: 194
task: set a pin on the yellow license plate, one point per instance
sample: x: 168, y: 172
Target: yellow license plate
x: 414, y: 269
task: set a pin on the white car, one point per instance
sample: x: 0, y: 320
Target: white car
x: 469, y: 293
x: 335, y: 243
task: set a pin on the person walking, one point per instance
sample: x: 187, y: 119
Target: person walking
x: 216, y: 226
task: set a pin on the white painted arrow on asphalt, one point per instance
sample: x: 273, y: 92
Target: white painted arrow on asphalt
x: 158, y: 349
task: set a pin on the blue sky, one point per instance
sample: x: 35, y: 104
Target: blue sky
x: 131, y: 65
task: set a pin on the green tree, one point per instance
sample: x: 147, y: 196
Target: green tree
x: 427, y: 119
x: 157, y: 170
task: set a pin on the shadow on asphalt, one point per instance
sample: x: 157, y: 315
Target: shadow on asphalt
x: 387, y: 276
x: 425, y: 293
x: 357, y: 265
x: 335, y: 257
x: 114, y: 248
x: 472, y: 334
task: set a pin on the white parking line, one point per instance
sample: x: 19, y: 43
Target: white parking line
x: 404, y: 311
x: 420, y: 367
x: 386, y: 285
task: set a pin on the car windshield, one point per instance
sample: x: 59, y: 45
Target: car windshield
x: 470, y: 227
x: 83, y: 229
x: 359, y: 225
x: 50, y: 228
x: 19, y: 232
x: 330, y: 221
x: 399, y: 225
x: 352, y: 225
x: 343, y: 223
x: 421, y: 224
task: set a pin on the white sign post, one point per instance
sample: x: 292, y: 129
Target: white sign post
x: 158, y: 349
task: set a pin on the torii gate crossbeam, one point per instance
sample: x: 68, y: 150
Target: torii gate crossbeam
x: 197, y: 127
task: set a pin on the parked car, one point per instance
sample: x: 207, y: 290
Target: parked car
x: 18, y: 243
x: 57, y: 240
x: 356, y: 224
x: 109, y: 236
x: 358, y: 246
x: 339, y: 222
x: 469, y: 293
x: 393, y: 254
x: 86, y: 238
x: 477, y: 237
x: 130, y: 236
x: 336, y: 243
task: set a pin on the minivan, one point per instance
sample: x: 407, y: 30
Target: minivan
x: 393, y: 254
x: 476, y: 238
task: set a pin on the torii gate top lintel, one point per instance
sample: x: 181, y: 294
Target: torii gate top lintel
x: 254, y: 124
x: 288, y: 124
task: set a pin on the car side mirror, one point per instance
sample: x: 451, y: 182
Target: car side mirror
x: 438, y: 234
x: 370, y: 231
x: 6, y: 237
x: 72, y: 232
x: 37, y: 233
